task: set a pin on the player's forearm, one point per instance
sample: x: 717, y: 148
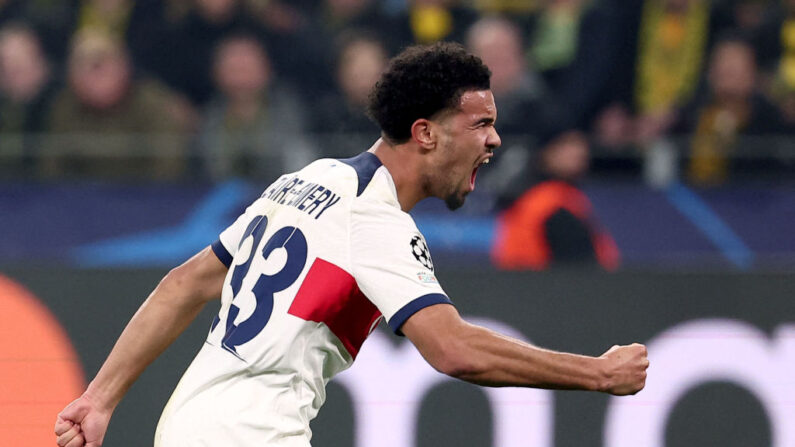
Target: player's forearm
x: 497, y: 360
x: 170, y: 308
x: 156, y: 324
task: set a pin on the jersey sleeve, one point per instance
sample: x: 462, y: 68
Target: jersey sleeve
x: 392, y: 265
x: 228, y: 241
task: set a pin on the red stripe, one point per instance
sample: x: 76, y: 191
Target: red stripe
x: 331, y: 296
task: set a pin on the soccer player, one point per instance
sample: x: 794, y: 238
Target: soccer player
x: 311, y: 267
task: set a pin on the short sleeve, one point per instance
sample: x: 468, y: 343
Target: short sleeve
x: 228, y: 241
x: 392, y: 264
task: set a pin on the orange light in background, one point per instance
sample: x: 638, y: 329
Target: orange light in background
x: 39, y: 369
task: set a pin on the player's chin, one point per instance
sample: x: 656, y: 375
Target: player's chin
x: 455, y: 200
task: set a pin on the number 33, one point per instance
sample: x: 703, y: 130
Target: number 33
x: 294, y: 242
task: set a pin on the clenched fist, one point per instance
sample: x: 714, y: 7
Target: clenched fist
x: 82, y: 424
x: 624, y: 369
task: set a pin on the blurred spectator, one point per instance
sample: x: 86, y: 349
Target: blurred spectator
x: 340, y: 115
x: 427, y: 21
x: 336, y: 20
x: 587, y: 76
x: 282, y: 16
x: 553, y: 223
x: 527, y: 110
x: 254, y: 126
x: 672, y: 40
x: 525, y: 105
x: 297, y: 43
x: 51, y: 19
x: 109, y: 16
x: 185, y: 57
x: 141, y: 24
x: 749, y: 19
x: 556, y: 35
x: 339, y: 16
x: 297, y: 52
x: 731, y: 108
x: 624, y: 68
x: 523, y: 12
x: 749, y: 15
x: 109, y: 124
x: 775, y: 45
x: 513, y: 7
x: 26, y: 87
x: 672, y: 47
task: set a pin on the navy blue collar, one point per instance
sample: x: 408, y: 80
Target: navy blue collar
x: 365, y: 165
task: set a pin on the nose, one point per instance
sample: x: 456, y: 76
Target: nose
x: 493, y: 140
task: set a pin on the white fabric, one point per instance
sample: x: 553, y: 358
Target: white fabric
x: 264, y: 390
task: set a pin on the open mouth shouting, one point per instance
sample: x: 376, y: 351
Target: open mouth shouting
x: 485, y: 161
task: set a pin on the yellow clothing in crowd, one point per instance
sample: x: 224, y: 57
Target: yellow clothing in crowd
x: 671, y: 51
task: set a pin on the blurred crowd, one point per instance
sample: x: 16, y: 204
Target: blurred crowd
x: 175, y: 89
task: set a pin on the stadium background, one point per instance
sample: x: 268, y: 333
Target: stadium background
x: 99, y: 198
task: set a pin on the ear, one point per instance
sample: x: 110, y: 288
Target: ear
x: 422, y: 133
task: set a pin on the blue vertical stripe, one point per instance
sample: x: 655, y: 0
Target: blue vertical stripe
x: 711, y: 225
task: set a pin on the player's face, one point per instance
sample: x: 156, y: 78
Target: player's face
x: 467, y: 141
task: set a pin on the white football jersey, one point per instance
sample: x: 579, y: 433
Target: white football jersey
x: 314, y: 264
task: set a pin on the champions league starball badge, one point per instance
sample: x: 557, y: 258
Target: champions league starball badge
x: 420, y: 251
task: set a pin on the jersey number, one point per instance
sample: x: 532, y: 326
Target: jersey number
x: 294, y: 242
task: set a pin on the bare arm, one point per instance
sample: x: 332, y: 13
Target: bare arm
x: 484, y: 357
x: 170, y: 308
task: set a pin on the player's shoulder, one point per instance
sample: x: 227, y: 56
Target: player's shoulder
x: 377, y: 213
x: 361, y: 180
x: 353, y: 174
x: 364, y: 166
x: 375, y: 188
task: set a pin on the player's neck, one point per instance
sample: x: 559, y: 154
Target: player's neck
x: 400, y: 160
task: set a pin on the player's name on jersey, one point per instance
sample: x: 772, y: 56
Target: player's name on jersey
x: 305, y: 196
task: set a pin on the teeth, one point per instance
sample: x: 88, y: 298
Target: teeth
x: 486, y: 161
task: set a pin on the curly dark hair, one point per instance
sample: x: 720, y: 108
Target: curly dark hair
x: 422, y: 81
